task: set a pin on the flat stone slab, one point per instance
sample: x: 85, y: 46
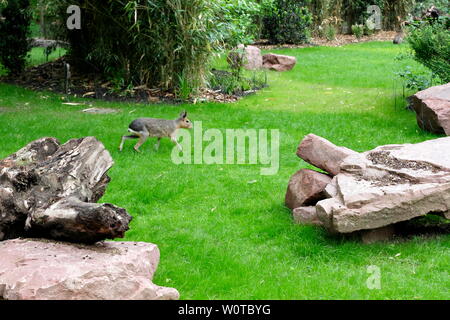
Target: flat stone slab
x: 37, y: 269
x: 389, y: 184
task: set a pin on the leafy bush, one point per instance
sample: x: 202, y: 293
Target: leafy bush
x: 14, y: 31
x: 330, y: 32
x: 227, y: 82
x: 287, y: 21
x: 154, y: 43
x: 235, y: 82
x: 430, y: 42
x: 420, y: 6
x: 184, y: 89
x: 353, y: 12
x: 414, y: 80
x: 328, y: 28
x: 358, y: 30
x: 235, y: 21
x: 369, y: 28
x: 47, y: 18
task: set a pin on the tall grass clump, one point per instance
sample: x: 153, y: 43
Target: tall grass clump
x: 154, y: 42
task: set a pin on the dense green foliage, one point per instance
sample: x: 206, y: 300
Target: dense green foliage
x: 358, y: 30
x: 14, y: 31
x: 350, y: 12
x: 355, y: 11
x: 235, y: 21
x: 430, y: 41
x: 222, y: 237
x: 421, y: 6
x: 169, y: 43
x: 153, y: 43
x: 159, y: 43
x: 287, y: 21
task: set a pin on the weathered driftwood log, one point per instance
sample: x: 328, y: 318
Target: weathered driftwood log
x: 50, y: 190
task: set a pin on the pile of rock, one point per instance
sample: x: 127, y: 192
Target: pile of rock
x: 250, y: 58
x: 369, y: 192
x: 50, y: 191
x: 432, y: 107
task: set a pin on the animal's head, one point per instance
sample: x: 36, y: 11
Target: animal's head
x: 183, y: 121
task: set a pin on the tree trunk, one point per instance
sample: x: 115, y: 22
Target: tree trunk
x: 49, y: 190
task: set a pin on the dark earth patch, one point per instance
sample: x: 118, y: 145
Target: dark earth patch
x: 50, y: 77
x: 384, y: 158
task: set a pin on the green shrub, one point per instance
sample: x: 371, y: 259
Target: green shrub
x: 14, y: 32
x: 227, y: 82
x: 184, y: 89
x: 330, y: 32
x: 369, y: 28
x: 287, y: 21
x: 235, y: 21
x: 414, y: 80
x: 430, y: 42
x: 358, y: 30
x: 355, y: 11
x: 393, y: 12
x: 154, y: 43
x: 420, y: 6
x: 47, y: 17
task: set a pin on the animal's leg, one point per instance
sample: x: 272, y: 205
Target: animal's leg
x: 157, y: 144
x: 126, y: 138
x: 143, y: 136
x: 174, y: 140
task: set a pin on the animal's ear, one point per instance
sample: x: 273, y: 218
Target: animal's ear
x: 183, y: 114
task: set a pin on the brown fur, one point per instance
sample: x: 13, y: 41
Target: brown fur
x: 143, y: 128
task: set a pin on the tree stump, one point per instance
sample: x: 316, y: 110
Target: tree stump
x: 50, y: 190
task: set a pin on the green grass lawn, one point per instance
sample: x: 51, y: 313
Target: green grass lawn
x: 224, y: 238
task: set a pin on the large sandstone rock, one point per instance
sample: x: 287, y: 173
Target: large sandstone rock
x: 432, y: 107
x: 377, y: 235
x: 50, y: 190
x: 322, y: 153
x: 248, y: 56
x: 48, y: 270
x: 389, y: 184
x: 305, y: 188
x: 253, y: 58
x: 278, y: 62
x: 306, y: 216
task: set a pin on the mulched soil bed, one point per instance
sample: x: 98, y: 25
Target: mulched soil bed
x: 341, y: 39
x: 384, y: 158
x: 50, y: 77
